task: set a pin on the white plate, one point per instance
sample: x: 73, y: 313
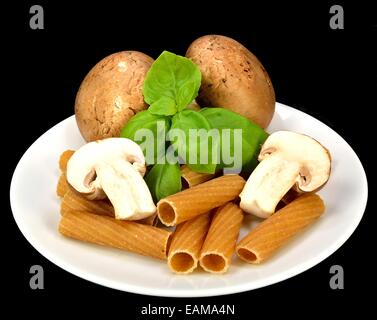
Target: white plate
x: 36, y: 210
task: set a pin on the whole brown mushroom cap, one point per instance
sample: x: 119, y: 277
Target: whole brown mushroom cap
x: 233, y: 78
x: 111, y: 93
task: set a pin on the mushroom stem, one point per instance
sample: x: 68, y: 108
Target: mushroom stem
x: 126, y: 190
x: 267, y: 185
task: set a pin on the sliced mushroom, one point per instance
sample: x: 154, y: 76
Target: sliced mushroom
x: 288, y: 159
x: 113, y: 167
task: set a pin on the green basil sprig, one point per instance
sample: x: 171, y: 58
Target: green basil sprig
x: 252, y: 135
x: 171, y: 84
x: 158, y: 126
x: 164, y: 180
x: 191, y: 153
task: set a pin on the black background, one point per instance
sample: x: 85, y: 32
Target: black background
x: 330, y: 74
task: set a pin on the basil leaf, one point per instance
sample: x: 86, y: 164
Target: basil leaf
x: 252, y: 135
x: 172, y: 78
x: 149, y: 131
x: 164, y: 180
x: 186, y: 93
x: 196, y: 153
x: 165, y: 106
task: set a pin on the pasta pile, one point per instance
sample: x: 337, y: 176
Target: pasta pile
x: 206, y: 217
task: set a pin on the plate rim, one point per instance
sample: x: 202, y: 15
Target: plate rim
x: 168, y: 292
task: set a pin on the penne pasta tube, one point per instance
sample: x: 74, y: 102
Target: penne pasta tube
x: 126, y: 235
x: 199, y: 199
x: 74, y: 201
x: 186, y: 243
x: 263, y: 241
x: 62, y: 186
x: 220, y: 242
x: 191, y: 178
x: 64, y: 157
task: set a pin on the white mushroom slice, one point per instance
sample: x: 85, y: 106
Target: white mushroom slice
x: 288, y: 159
x: 112, y: 167
x: 126, y: 190
x: 81, y: 173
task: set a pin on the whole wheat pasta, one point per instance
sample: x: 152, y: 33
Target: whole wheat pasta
x: 74, y: 201
x: 186, y: 243
x: 191, y: 178
x: 199, y: 199
x: 64, y: 157
x: 220, y: 242
x: 263, y: 241
x: 107, y: 231
x: 63, y: 186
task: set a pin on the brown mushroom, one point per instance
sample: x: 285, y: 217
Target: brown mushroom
x: 111, y: 94
x: 233, y: 78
